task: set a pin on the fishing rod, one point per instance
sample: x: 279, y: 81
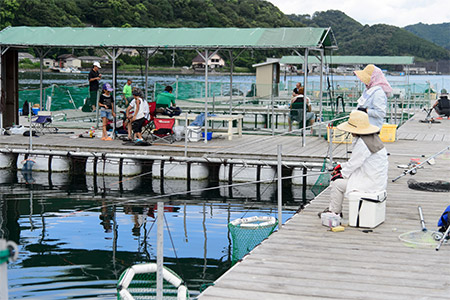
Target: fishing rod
x: 413, y: 169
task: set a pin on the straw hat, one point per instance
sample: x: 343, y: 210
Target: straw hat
x: 364, y: 75
x: 358, y: 123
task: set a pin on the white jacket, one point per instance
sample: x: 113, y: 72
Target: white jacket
x: 375, y: 100
x: 366, y: 171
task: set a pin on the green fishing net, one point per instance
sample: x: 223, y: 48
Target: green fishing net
x: 247, y: 233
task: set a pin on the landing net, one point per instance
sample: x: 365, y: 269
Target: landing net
x: 421, y: 238
x: 247, y: 233
x: 323, y: 181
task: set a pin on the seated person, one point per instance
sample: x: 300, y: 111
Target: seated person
x: 165, y: 99
x: 367, y: 169
x: 296, y: 112
x: 442, y: 105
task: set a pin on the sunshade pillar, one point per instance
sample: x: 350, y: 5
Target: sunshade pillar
x: 1, y: 91
x: 232, y: 59
x: 231, y: 79
x: 305, y: 67
x: 206, y: 95
x: 146, y: 73
x: 321, y: 91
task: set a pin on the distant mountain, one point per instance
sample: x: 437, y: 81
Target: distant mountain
x: 436, y: 33
x: 353, y: 38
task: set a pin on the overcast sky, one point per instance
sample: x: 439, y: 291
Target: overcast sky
x: 393, y: 12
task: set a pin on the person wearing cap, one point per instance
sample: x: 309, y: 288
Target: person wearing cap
x: 367, y: 169
x: 442, y: 105
x: 106, y: 104
x: 374, y: 98
x: 137, y: 119
x: 94, y: 83
x: 127, y: 91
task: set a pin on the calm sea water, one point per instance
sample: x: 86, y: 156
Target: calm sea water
x: 30, y: 80
x: 77, y: 235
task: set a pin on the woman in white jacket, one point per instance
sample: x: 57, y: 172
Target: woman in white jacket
x: 367, y: 168
x: 374, y: 98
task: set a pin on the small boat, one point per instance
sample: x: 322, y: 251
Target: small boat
x: 65, y: 70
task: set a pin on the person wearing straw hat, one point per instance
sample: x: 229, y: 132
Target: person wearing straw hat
x: 366, y: 170
x: 374, y: 98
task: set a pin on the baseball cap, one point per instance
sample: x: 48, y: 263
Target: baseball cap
x: 107, y: 87
x: 97, y: 64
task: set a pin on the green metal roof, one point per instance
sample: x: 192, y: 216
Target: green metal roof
x: 351, y: 60
x: 173, y: 38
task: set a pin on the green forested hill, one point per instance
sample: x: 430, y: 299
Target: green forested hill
x: 352, y: 37
x: 143, y: 13
x: 356, y: 39
x: 436, y: 33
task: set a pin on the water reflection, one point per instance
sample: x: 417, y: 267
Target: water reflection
x: 76, y: 240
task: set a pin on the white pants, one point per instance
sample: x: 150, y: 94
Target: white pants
x: 338, y: 188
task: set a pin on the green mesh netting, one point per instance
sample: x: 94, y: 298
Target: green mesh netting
x: 248, y: 233
x: 143, y: 286
x: 323, y: 181
x: 62, y: 97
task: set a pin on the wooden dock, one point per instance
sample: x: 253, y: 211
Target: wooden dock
x: 304, y: 260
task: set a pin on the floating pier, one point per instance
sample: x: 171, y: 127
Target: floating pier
x: 305, y: 260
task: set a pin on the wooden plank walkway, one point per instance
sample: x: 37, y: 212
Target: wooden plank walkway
x: 304, y: 260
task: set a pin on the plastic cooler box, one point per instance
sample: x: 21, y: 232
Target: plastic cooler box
x: 366, y: 209
x: 194, y: 133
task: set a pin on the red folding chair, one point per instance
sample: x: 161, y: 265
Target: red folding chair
x: 148, y: 125
x: 163, y: 130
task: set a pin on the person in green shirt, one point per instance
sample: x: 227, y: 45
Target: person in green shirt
x: 127, y: 92
x: 166, y: 98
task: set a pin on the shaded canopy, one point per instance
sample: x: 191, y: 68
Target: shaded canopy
x: 351, y: 60
x: 170, y: 38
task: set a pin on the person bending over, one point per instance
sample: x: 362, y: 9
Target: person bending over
x: 442, y: 105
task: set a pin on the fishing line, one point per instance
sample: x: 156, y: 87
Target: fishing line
x: 186, y: 192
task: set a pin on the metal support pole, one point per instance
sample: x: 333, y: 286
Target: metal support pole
x: 1, y: 91
x: 31, y: 130
x: 176, y: 87
x: 160, y: 251
x: 206, y: 95
x: 280, y: 187
x: 41, y: 62
x: 231, y: 79
x: 185, y: 134
x: 146, y: 74
x: 321, y: 92
x: 305, y: 67
x: 114, y: 90
x: 272, y: 114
